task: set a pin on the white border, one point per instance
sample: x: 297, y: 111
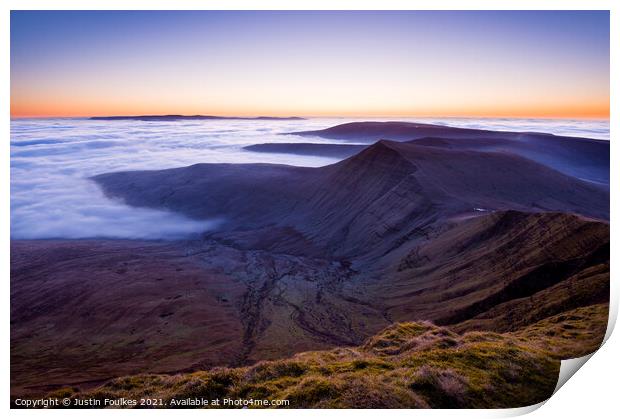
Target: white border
x: 593, y: 393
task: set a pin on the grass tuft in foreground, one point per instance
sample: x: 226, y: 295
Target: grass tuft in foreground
x: 407, y: 365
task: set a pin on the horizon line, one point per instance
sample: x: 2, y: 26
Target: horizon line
x: 584, y: 117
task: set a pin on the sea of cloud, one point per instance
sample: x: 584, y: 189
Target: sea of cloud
x: 53, y: 159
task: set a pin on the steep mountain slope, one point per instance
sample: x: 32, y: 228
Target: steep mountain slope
x: 495, y: 267
x: 369, y: 204
x: 363, y: 204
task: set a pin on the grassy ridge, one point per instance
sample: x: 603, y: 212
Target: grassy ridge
x: 407, y: 365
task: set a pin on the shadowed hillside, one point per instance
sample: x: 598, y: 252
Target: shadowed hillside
x: 369, y: 200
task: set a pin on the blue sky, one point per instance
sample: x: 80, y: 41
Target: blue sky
x: 375, y: 63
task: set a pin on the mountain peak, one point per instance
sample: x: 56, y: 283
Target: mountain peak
x: 384, y: 155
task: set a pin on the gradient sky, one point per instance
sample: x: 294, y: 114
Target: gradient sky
x: 379, y: 63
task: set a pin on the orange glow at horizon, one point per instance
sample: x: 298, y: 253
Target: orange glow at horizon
x: 594, y: 110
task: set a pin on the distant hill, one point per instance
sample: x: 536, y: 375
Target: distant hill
x: 191, y: 117
x: 583, y: 158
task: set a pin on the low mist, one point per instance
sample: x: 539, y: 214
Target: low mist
x: 53, y: 159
